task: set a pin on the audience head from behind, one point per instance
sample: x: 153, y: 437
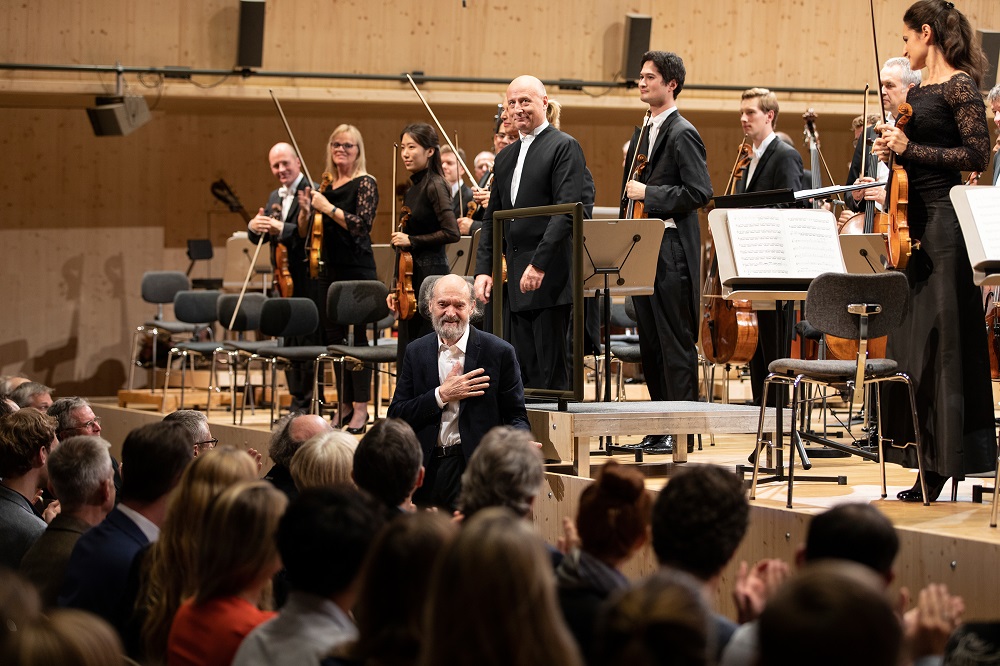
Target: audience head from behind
x: 325, y: 460
x: 10, y: 382
x: 662, y: 620
x: 614, y: 513
x: 388, y: 463
x: 27, y: 439
x: 82, y: 478
x: 34, y: 395
x: 506, y: 469
x: 395, y: 586
x: 855, y: 532
x: 196, y: 423
x: 288, y: 434
x: 153, y: 458
x: 171, y: 563
x: 493, y: 599
x: 20, y: 605
x: 74, y: 416
x: 64, y: 636
x: 699, y: 519
x: 7, y: 406
x: 830, y: 613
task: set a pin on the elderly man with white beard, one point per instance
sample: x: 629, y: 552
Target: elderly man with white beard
x: 455, y: 384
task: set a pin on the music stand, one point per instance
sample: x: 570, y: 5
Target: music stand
x: 458, y: 255
x: 777, y: 288
x: 864, y: 253
x: 978, y: 211
x: 627, y: 250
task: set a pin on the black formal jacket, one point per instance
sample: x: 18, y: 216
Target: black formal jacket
x: 298, y: 259
x: 502, y: 403
x: 780, y: 168
x: 677, y: 185
x: 553, y: 173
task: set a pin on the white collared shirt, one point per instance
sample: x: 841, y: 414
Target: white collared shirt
x: 448, y: 357
x: 145, y: 525
x: 757, y: 154
x: 455, y: 187
x: 526, y: 140
x: 288, y: 195
x: 655, y: 123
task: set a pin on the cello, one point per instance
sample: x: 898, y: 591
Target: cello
x: 728, y: 327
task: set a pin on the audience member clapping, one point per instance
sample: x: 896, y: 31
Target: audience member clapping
x: 27, y: 439
x: 237, y: 556
x: 34, y: 395
x: 612, y: 523
x: 288, y: 434
x: 326, y: 460
x: 388, y: 464
x: 662, y: 621
x: 390, y: 613
x: 169, y: 569
x: 323, y: 538
x: 493, y: 600
x: 81, y: 477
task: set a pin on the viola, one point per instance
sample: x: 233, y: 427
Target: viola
x: 728, y: 327
x: 281, y: 281
x: 314, y: 245
x: 402, y: 277
x: 892, y: 222
x: 993, y: 331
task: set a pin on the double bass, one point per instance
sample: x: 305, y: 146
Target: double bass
x: 728, y: 327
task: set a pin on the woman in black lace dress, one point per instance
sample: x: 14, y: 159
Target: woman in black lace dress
x: 348, y: 209
x: 942, y: 342
x: 431, y: 224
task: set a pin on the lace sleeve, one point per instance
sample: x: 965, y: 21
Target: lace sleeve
x: 967, y: 106
x: 360, y: 224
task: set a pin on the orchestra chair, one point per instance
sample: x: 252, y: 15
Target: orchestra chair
x: 158, y: 288
x: 197, y: 308
x: 283, y: 318
x: 239, y: 349
x: 857, y: 307
x: 356, y: 303
x: 624, y: 349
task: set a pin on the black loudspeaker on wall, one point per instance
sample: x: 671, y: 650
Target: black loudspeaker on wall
x: 637, y: 28
x: 991, y: 45
x: 250, y: 51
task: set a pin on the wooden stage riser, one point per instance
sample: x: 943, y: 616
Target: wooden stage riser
x: 969, y: 567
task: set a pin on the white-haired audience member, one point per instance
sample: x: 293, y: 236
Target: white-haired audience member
x: 34, y: 395
x: 324, y: 461
x: 288, y: 434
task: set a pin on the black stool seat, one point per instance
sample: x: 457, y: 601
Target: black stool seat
x: 250, y: 346
x: 174, y: 326
x: 204, y: 348
x: 308, y: 353
x: 630, y: 353
x: 384, y: 353
x: 832, y: 370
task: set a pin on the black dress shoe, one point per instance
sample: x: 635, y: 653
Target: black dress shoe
x: 659, y: 444
x: 357, y: 431
x: 935, y: 484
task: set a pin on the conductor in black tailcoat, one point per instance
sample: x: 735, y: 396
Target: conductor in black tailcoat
x: 673, y: 185
x: 547, y: 168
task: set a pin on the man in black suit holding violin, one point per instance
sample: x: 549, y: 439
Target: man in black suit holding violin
x: 774, y: 165
x: 672, y: 186
x: 279, y: 219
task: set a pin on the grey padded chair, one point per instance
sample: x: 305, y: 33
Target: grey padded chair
x: 626, y: 350
x: 196, y: 308
x: 239, y: 349
x: 858, y: 307
x: 159, y: 288
x: 283, y: 318
x: 356, y: 303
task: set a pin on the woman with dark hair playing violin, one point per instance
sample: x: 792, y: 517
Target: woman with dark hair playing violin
x: 431, y: 222
x: 348, y: 210
x: 942, y: 341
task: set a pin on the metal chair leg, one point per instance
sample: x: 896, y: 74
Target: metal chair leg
x: 166, y: 380
x: 760, y: 439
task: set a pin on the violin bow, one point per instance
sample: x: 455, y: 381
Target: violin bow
x: 468, y: 173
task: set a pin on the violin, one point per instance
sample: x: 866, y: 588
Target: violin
x: 402, y: 277
x: 635, y: 210
x: 993, y: 330
x: 728, y: 327
x: 314, y: 246
x: 892, y: 222
x: 281, y: 281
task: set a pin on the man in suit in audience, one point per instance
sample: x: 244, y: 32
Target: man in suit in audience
x: 100, y: 578
x: 81, y: 476
x: 280, y: 221
x: 547, y: 168
x: 27, y: 439
x: 674, y: 184
x: 774, y: 166
x: 455, y: 384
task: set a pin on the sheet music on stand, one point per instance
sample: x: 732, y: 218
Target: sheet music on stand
x: 978, y: 210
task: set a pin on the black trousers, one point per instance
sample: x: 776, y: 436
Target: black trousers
x: 539, y: 338
x: 668, y: 333
x: 442, y: 483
